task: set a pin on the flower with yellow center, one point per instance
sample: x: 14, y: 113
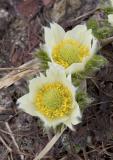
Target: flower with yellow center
x: 110, y: 16
x: 69, y: 50
x: 52, y: 99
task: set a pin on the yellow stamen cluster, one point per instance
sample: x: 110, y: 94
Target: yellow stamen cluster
x: 54, y: 101
x: 69, y: 51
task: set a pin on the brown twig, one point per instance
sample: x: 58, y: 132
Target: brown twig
x: 11, y: 69
x: 11, y: 156
x: 83, y: 16
x: 4, y: 143
x: 85, y: 154
x: 106, y: 41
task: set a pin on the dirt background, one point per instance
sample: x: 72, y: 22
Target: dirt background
x: 21, y: 31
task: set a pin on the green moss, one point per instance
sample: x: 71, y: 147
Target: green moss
x: 92, y: 65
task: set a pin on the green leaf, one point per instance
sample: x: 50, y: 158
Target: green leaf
x: 92, y: 24
x: 96, y: 62
x: 83, y: 99
x: 104, y: 32
x: 101, y: 29
x: 77, y: 148
x: 43, y: 57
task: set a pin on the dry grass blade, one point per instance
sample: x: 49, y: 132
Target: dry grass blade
x: 106, y: 41
x: 48, y: 147
x: 8, y: 148
x: 13, y: 139
x: 84, y: 15
x: 2, y: 109
x: 29, y: 68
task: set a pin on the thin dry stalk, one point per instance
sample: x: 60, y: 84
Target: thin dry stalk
x: 29, y: 68
x: 84, y: 15
x: 106, y: 41
x: 48, y: 147
x: 13, y: 139
x: 4, y: 143
x: 12, y: 69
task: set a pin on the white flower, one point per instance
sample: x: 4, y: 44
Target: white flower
x: 52, y: 99
x: 110, y: 19
x: 70, y: 50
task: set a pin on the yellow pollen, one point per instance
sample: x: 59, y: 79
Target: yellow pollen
x: 54, y: 101
x: 69, y: 51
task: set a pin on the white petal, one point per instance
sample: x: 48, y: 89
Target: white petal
x: 77, y: 33
x: 82, y: 35
x: 54, y: 34
x: 69, y: 124
x: 55, y: 73
x: 75, y: 67
x: 69, y: 77
x: 76, y: 115
x: 26, y: 105
x: 57, y: 31
x: 35, y: 84
x: 49, y: 39
x: 87, y: 38
x: 94, y: 47
x: 110, y: 19
x: 54, y: 123
x: 47, y: 49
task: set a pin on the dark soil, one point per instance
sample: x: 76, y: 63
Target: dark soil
x: 21, y: 31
